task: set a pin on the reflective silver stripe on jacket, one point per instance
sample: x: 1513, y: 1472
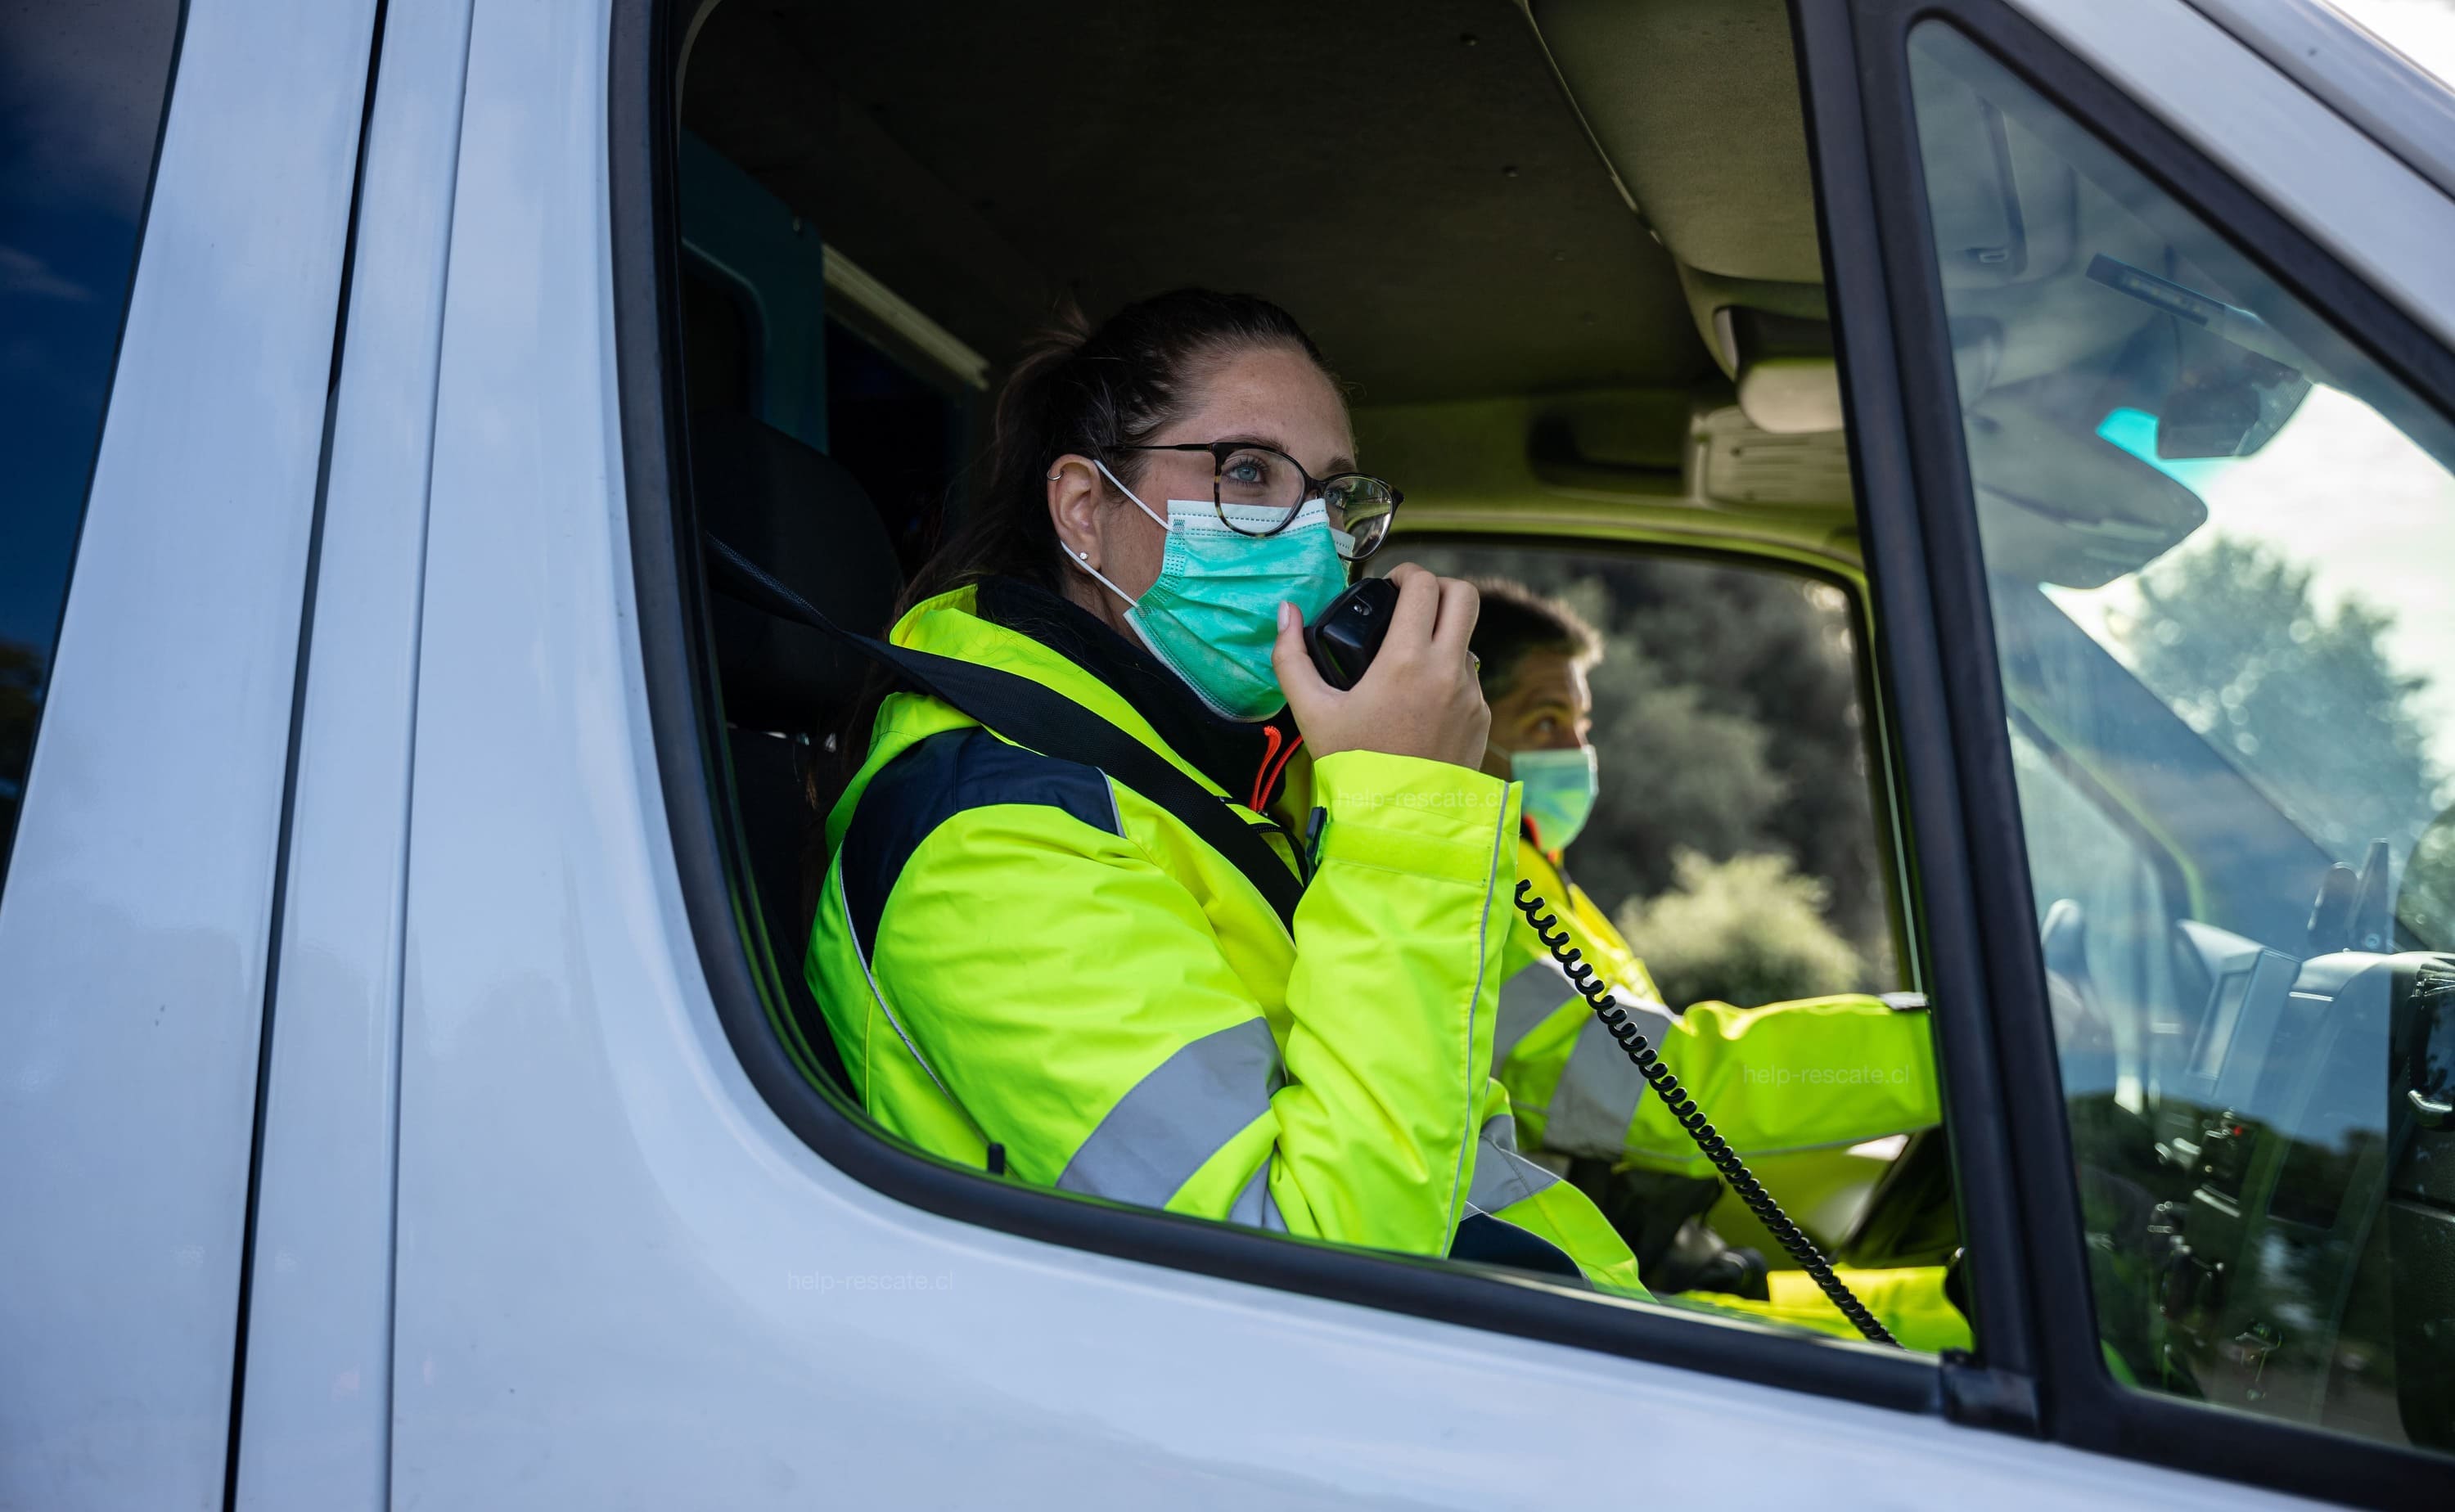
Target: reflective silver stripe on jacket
x: 1254, y: 1205
x: 1482, y: 939
x: 1500, y: 1129
x: 1533, y: 993
x: 1600, y: 1087
x: 1175, y: 1118
x: 879, y: 999
x: 1501, y: 1175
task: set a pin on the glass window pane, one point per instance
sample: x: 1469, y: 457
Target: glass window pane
x: 82, y: 93
x: 2220, y: 540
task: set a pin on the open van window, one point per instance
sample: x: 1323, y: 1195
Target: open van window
x: 1510, y: 338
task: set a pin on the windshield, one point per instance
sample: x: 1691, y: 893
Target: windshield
x: 2313, y: 658
x: 2242, y: 508
x: 2220, y: 543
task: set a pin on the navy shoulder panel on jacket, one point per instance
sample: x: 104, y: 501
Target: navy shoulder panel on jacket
x: 934, y: 781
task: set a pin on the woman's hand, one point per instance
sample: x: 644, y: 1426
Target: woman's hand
x: 1420, y: 698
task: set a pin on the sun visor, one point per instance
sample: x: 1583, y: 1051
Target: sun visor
x: 2068, y: 507
x: 1792, y: 395
x: 1789, y: 382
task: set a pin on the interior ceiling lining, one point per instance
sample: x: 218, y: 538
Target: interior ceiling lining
x: 1430, y: 208
x: 1696, y: 104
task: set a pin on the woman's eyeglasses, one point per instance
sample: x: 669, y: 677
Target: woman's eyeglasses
x: 1258, y: 490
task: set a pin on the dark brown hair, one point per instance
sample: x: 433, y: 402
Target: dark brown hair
x: 1093, y: 391
x: 1515, y: 619
x: 1078, y: 389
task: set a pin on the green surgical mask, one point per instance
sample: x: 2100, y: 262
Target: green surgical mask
x: 1560, y: 790
x: 1212, y: 615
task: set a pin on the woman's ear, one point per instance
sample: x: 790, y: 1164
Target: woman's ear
x: 1076, y: 492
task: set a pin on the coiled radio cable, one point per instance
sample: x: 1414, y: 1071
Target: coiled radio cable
x: 1725, y: 1161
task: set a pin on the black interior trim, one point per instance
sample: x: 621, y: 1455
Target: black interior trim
x: 1921, y: 523
x: 1909, y: 645
x: 695, y: 784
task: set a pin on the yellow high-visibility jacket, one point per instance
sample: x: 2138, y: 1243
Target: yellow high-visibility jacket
x: 1016, y: 949
x: 1792, y: 1076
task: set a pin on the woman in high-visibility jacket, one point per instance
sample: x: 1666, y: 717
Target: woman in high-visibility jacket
x: 1815, y: 1073
x: 1019, y: 952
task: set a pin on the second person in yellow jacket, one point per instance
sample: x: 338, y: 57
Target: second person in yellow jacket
x: 1811, y: 1073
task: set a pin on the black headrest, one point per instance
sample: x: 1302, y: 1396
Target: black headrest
x: 796, y: 514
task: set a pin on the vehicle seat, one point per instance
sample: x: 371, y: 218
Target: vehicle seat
x: 785, y: 687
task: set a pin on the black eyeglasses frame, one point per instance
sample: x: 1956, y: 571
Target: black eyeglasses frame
x: 1313, y: 487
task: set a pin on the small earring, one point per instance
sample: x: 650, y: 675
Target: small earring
x: 1054, y: 476
x: 1083, y: 557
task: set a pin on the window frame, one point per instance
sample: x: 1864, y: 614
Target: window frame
x: 695, y: 784
x: 1928, y: 576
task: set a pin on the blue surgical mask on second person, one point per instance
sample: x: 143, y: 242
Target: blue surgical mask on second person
x: 1212, y: 614
x: 1560, y: 791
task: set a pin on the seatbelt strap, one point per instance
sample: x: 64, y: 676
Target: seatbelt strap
x: 1039, y: 719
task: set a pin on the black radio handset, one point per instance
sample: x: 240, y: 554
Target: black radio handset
x: 1683, y: 1108
x: 1342, y: 643
x: 1344, y: 640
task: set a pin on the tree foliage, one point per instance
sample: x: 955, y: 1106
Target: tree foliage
x: 1746, y: 931
x: 2306, y: 701
x: 1727, y: 719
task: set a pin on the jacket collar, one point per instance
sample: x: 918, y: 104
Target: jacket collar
x: 1246, y: 761
x: 1531, y: 841
x: 957, y: 624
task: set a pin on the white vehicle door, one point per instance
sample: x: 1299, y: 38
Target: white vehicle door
x: 145, y: 872
x: 640, y: 1257
x: 523, y: 1200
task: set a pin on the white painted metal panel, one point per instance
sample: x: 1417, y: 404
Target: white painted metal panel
x: 2389, y: 224
x: 622, y: 1281
x: 317, y: 1393
x: 2384, y: 93
x: 134, y: 932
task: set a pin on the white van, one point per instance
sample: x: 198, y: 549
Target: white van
x: 2008, y: 443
